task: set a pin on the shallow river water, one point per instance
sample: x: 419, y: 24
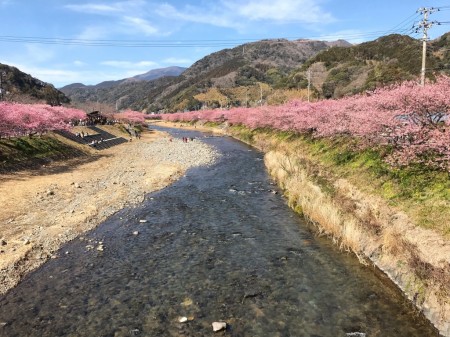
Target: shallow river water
x: 218, y: 245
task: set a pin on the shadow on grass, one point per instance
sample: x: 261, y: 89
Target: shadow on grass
x: 46, y: 166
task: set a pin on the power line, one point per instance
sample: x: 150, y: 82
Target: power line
x: 401, y: 28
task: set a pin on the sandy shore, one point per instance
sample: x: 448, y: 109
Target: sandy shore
x: 43, y: 209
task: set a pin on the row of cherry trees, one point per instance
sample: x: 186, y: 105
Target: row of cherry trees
x: 129, y: 116
x: 25, y: 119
x: 412, y: 119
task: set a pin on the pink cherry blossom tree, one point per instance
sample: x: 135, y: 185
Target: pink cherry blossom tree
x: 412, y: 119
x: 130, y: 116
x: 25, y: 119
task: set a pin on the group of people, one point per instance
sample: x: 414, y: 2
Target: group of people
x: 95, y: 142
x: 185, y: 139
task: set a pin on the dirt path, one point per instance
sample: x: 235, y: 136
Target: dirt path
x: 42, y: 210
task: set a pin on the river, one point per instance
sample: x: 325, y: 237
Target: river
x: 220, y: 244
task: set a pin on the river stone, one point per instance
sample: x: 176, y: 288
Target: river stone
x: 219, y: 326
x: 183, y: 319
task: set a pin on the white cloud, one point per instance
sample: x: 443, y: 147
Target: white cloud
x: 78, y: 63
x: 213, y: 15
x: 139, y: 25
x: 128, y: 17
x: 129, y: 7
x: 351, y: 35
x: 94, y: 8
x: 177, y: 61
x: 61, y: 75
x: 237, y: 13
x: 94, y: 33
x: 129, y: 65
x: 282, y: 11
x: 52, y: 75
x: 40, y: 53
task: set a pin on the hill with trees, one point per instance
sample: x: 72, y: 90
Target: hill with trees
x: 276, y: 71
x: 122, y: 93
x: 17, y: 86
x: 338, y: 72
x: 245, y: 66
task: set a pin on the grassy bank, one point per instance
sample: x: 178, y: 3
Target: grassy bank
x: 422, y: 193
x: 31, y: 152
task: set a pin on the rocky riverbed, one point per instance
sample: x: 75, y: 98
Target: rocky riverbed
x: 43, y: 209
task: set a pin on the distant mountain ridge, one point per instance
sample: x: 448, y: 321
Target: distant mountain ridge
x: 242, y: 65
x: 148, y: 76
x: 263, y: 72
x: 157, y: 73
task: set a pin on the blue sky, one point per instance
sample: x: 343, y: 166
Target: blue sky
x: 67, y: 41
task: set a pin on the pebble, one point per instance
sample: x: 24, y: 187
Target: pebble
x: 135, y: 233
x: 3, y: 242
x: 175, y: 152
x: 182, y: 319
x: 100, y: 248
x: 219, y: 326
x: 143, y: 221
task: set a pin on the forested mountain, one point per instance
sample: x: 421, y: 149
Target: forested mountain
x: 341, y: 71
x: 248, y: 65
x: 121, y: 93
x: 20, y: 87
x: 263, y: 72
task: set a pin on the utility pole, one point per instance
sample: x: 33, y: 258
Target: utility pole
x: 424, y: 25
x: 260, y: 88
x: 2, y: 74
x: 309, y: 84
x: 246, y: 98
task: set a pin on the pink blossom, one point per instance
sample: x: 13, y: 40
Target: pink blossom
x: 21, y: 119
x: 413, y: 119
x: 130, y: 116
